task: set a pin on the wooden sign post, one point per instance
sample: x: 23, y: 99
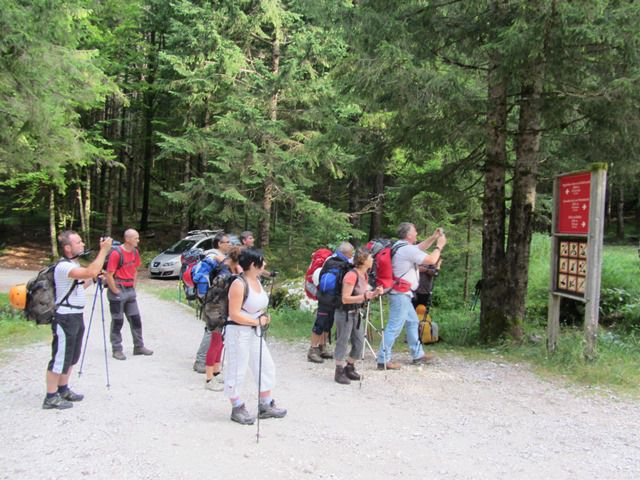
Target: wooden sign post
x: 576, y: 250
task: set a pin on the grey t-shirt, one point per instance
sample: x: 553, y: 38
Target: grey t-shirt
x: 405, y: 263
x: 63, y: 284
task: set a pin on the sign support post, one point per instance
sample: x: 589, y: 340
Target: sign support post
x: 576, y: 250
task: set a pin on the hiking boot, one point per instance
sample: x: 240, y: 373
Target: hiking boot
x: 324, y: 352
x: 350, y: 372
x: 214, y: 384
x: 271, y: 411
x: 314, y: 355
x: 427, y: 358
x: 199, y: 367
x: 72, y: 396
x: 56, y: 402
x: 240, y: 415
x: 118, y: 355
x: 142, y: 351
x: 390, y: 366
x: 340, y: 376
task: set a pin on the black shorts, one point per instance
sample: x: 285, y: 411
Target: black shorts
x: 324, y: 320
x: 68, y: 330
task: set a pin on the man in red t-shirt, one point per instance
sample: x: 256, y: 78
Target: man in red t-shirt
x: 121, y: 276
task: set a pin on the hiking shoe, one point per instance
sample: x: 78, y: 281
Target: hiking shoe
x: 72, y: 396
x: 350, y: 372
x: 424, y: 360
x: 56, y: 402
x: 118, y: 355
x: 214, y: 385
x: 324, y: 353
x: 142, y: 351
x: 390, y: 366
x: 271, y: 411
x: 340, y: 376
x: 240, y: 415
x: 314, y: 355
x: 198, y: 367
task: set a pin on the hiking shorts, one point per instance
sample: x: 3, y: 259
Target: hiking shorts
x: 66, y: 345
x: 324, y: 320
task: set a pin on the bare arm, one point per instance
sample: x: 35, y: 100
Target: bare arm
x: 94, y: 268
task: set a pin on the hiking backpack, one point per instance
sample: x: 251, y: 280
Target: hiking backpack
x: 190, y: 258
x: 330, y: 285
x: 427, y: 328
x: 381, y: 274
x: 41, y: 303
x: 310, y: 283
x: 215, y: 306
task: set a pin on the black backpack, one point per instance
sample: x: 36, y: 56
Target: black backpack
x: 215, y: 306
x: 41, y: 295
x: 330, y: 285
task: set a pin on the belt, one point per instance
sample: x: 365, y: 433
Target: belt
x: 126, y: 287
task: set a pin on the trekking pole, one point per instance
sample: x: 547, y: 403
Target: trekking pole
x: 86, y: 340
x: 104, y: 333
x: 366, y: 324
x: 263, y: 336
x: 384, y: 347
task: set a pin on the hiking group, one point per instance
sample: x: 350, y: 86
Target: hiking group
x: 234, y: 305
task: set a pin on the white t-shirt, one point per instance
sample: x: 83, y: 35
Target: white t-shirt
x: 405, y: 263
x: 63, y: 284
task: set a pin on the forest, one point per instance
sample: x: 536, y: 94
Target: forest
x: 312, y: 121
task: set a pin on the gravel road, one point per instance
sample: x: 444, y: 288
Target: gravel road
x: 456, y: 419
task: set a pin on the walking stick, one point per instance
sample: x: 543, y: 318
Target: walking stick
x: 263, y: 336
x: 366, y: 323
x: 384, y: 347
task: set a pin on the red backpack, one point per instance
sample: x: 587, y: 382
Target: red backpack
x: 317, y: 260
x: 381, y: 274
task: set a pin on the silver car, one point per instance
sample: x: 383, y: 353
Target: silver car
x: 168, y: 264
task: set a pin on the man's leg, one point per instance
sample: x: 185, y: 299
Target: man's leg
x: 201, y: 354
x: 116, y: 307
x: 393, y: 327
x: 135, y: 323
x: 413, y: 339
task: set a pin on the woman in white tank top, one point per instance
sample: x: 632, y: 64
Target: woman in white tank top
x: 244, y: 341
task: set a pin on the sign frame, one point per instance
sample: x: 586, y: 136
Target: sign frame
x: 593, y: 237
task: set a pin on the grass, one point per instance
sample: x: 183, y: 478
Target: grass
x: 15, y: 330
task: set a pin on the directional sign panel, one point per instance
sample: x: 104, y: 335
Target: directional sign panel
x: 573, y: 204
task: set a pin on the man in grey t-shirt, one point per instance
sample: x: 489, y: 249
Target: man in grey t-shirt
x: 406, y: 258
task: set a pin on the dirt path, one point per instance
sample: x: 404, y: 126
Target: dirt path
x: 454, y: 420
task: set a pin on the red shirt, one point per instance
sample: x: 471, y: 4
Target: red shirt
x: 126, y: 274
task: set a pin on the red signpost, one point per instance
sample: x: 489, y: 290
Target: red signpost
x: 573, y: 204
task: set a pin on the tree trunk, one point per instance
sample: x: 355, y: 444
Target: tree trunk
x: 467, y: 259
x: 148, y: 102
x: 354, y: 201
x: 492, y: 316
x: 52, y: 223
x: 184, y: 213
x: 83, y: 219
x: 110, y: 172
x: 87, y: 208
x: 375, y: 229
x: 620, y: 222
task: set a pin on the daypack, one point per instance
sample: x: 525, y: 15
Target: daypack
x: 330, y: 285
x: 381, y: 274
x: 310, y: 283
x: 41, y: 295
x: 215, y: 307
x: 189, y: 259
x: 203, y: 273
x: 427, y: 328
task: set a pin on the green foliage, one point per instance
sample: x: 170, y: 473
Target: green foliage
x: 15, y: 330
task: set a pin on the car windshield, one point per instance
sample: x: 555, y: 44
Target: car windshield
x: 181, y: 246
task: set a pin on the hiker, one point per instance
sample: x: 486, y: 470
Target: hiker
x: 321, y: 330
x: 122, y: 276
x: 247, y: 239
x: 213, y: 363
x: 427, y: 274
x: 245, y: 343
x: 221, y: 245
x: 67, y: 325
x: 350, y: 324
x: 405, y: 262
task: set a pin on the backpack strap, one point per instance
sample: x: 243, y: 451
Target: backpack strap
x: 74, y: 284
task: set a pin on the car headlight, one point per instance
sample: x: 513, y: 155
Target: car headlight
x: 169, y: 264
